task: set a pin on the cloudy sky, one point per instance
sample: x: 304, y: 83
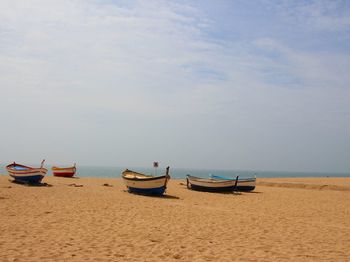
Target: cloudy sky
x: 231, y: 84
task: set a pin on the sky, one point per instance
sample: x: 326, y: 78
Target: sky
x: 225, y: 84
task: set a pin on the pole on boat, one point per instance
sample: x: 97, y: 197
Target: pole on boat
x: 42, y: 163
x: 167, y: 170
x: 155, y: 165
x: 236, y: 183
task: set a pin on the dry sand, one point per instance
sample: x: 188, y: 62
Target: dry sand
x: 282, y: 220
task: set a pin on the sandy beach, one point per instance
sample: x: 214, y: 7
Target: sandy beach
x: 96, y: 219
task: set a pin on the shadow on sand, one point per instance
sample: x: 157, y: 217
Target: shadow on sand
x: 165, y: 196
x: 218, y: 192
x: 30, y: 184
x: 230, y: 192
x: 71, y: 177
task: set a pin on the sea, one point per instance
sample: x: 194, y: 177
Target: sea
x: 180, y: 173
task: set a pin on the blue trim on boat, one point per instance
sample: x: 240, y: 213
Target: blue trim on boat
x: 212, y: 189
x: 20, y: 168
x: 222, y: 177
x: 147, y: 191
x: 29, y: 179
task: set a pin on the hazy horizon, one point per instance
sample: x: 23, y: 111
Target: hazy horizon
x: 180, y: 172
x: 235, y: 85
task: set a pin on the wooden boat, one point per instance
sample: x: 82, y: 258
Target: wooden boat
x: 243, y: 184
x: 26, y: 174
x: 145, y: 184
x: 64, y: 171
x: 211, y: 184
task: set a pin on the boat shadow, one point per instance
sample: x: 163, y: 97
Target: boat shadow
x: 65, y: 177
x: 233, y: 192
x: 219, y: 192
x: 165, y: 196
x: 225, y: 192
x: 31, y: 184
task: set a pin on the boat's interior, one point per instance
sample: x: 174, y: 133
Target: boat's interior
x: 62, y: 168
x: 209, y: 180
x: 131, y: 174
x: 20, y: 167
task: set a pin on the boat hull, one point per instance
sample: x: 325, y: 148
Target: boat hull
x: 243, y: 184
x: 210, y: 185
x: 31, y: 179
x: 63, y: 172
x: 246, y: 184
x: 212, y: 189
x: 143, y: 184
x: 24, y: 174
x: 147, y: 191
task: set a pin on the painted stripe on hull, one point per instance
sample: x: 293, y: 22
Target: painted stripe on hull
x: 246, y: 182
x: 147, y: 191
x: 32, y: 172
x: 145, y: 184
x: 63, y: 170
x: 208, y: 183
x: 63, y: 174
x: 28, y: 179
x: 212, y: 189
x: 246, y: 185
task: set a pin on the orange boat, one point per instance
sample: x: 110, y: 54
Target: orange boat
x: 64, y: 171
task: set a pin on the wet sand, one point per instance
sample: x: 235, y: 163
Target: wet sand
x: 95, y: 219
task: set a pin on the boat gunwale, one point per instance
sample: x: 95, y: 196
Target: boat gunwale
x: 244, y: 179
x: 210, y: 181
x: 10, y: 168
x: 143, y: 177
x: 55, y: 168
x: 146, y: 178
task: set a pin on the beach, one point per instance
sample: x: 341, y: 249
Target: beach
x: 96, y: 219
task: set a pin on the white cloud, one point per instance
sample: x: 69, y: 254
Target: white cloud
x: 81, y: 45
x: 324, y: 15
x: 314, y: 69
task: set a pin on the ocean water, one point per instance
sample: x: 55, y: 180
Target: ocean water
x: 115, y: 172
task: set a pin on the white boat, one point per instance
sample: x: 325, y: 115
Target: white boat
x: 211, y: 184
x: 145, y: 184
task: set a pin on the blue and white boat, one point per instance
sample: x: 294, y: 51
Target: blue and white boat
x: 26, y: 174
x: 145, y: 184
x: 243, y: 184
x: 211, y: 184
